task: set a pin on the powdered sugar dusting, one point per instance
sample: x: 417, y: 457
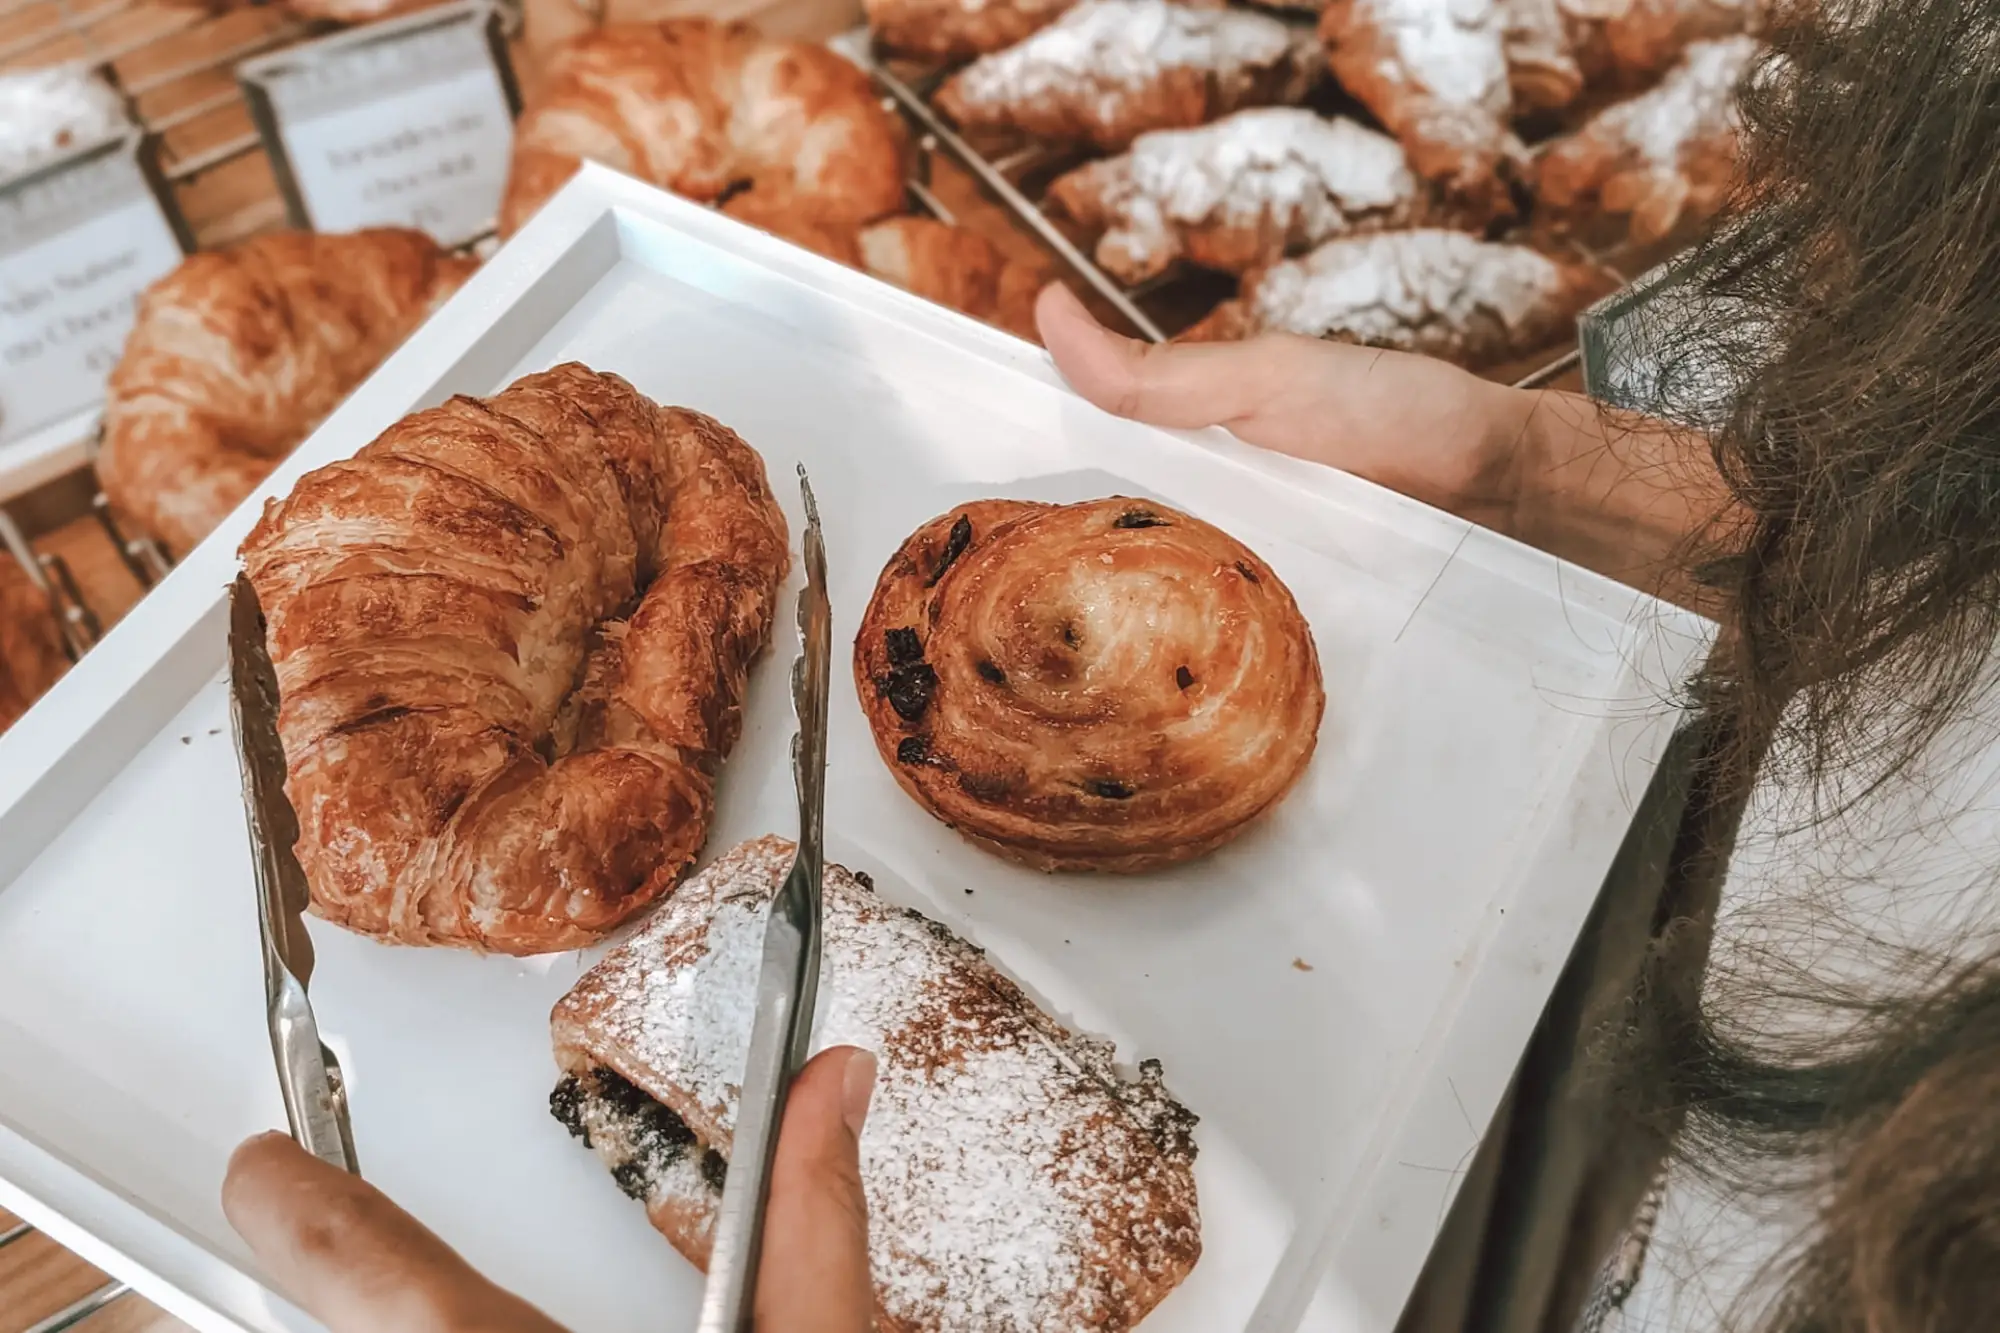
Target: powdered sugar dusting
x: 45, y: 112
x: 1282, y: 168
x: 1387, y: 289
x: 1014, y: 1182
x: 1453, y: 49
x: 1695, y: 102
x: 1127, y: 44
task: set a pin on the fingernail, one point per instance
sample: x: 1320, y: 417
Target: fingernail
x: 857, y: 1089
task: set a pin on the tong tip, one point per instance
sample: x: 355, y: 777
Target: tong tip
x: 812, y: 506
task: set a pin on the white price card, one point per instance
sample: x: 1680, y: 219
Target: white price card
x: 404, y: 123
x: 80, y: 240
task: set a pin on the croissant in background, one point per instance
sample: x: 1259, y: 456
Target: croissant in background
x: 1243, y: 192
x: 954, y: 267
x: 1435, y: 74
x: 236, y: 355
x: 1662, y: 156
x: 1442, y: 293
x: 1109, y: 70
x: 1628, y: 43
x: 706, y: 109
x: 955, y: 29
x: 31, y: 650
x: 512, y: 637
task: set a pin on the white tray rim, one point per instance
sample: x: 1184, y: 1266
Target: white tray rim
x: 62, y: 752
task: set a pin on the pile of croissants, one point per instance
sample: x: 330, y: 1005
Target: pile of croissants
x: 1365, y: 232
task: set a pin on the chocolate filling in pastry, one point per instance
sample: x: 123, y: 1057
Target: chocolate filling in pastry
x: 993, y: 1129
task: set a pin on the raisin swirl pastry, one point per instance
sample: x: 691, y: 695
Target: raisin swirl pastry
x: 1110, y: 685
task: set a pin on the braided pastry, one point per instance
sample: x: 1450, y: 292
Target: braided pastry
x: 1538, y: 40
x: 1102, y: 686
x: 706, y: 109
x: 31, y: 650
x: 1109, y: 70
x: 512, y: 637
x: 955, y: 29
x: 1243, y: 192
x: 1662, y: 156
x: 1442, y: 293
x: 238, y: 354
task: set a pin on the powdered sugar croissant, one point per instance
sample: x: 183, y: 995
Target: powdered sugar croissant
x: 1663, y: 156
x: 512, y: 637
x: 1241, y: 193
x: 1109, y: 70
x: 239, y: 353
x: 703, y: 109
x: 954, y: 267
x: 1435, y: 73
x: 1628, y: 43
x: 1442, y: 293
x: 1555, y: 49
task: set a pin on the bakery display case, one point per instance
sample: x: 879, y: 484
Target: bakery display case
x: 134, y: 735
x: 1341, y: 935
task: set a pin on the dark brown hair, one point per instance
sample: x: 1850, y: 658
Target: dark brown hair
x: 1852, y: 305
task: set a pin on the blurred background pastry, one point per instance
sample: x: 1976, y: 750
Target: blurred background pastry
x: 1441, y: 293
x: 710, y: 110
x: 240, y: 352
x: 1109, y: 70
x: 31, y: 650
x: 1662, y: 157
x: 1243, y: 192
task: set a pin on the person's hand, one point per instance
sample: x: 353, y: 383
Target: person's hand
x: 1622, y: 494
x: 1411, y: 423
x: 359, y: 1264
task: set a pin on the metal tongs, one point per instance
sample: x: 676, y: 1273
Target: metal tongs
x: 308, y: 1074
x: 788, y: 985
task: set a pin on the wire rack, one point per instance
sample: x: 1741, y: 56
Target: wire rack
x: 1015, y: 175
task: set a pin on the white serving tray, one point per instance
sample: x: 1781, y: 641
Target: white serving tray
x: 1341, y: 995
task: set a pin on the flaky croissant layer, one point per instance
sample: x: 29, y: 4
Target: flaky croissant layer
x: 512, y: 637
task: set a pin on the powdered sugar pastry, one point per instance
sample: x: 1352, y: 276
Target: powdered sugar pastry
x: 1253, y: 186
x: 1112, y: 44
x: 1405, y: 289
x: 1696, y: 101
x: 1014, y: 1181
